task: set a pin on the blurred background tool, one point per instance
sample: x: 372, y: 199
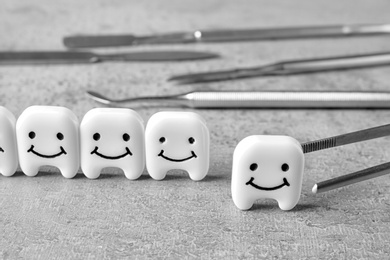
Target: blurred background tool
x: 289, y: 68
x: 62, y: 57
x: 228, y: 35
x: 238, y: 99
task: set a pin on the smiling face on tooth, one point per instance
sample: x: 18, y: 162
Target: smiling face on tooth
x: 267, y: 167
x: 62, y: 151
x: 177, y: 140
x: 112, y: 137
x: 191, y: 141
x: 126, y: 137
x: 48, y: 136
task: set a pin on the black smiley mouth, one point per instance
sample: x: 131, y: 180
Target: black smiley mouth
x: 31, y: 150
x: 128, y: 152
x: 285, y: 183
x: 193, y: 155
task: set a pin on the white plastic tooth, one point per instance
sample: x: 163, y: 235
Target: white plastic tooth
x: 112, y: 137
x: 267, y: 167
x: 48, y: 135
x: 8, y: 147
x: 177, y: 140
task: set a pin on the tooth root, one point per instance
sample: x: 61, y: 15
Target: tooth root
x: 30, y: 169
x: 198, y: 174
x: 8, y: 170
x: 122, y: 131
x: 69, y: 172
x: 133, y: 173
x: 285, y: 204
x: 243, y: 202
x: 180, y: 135
x: 92, y: 172
x: 9, y: 154
x: 157, y: 173
x: 48, y: 128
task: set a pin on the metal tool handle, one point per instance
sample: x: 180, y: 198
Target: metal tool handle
x: 285, y: 99
x: 290, y: 33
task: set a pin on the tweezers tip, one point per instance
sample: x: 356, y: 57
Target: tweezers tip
x: 314, y: 189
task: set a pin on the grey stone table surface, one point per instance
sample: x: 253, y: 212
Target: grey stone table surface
x: 48, y: 216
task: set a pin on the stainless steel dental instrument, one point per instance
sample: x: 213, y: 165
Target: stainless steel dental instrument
x: 352, y: 178
x: 353, y: 137
x: 67, y: 57
x: 289, y: 68
x: 232, y: 35
x: 349, y: 138
x: 236, y: 99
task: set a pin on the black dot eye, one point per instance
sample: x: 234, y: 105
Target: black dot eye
x: 126, y: 137
x: 285, y: 167
x: 60, y: 136
x: 253, y: 167
x: 162, y: 139
x: 96, y: 136
x: 31, y: 135
x: 191, y: 140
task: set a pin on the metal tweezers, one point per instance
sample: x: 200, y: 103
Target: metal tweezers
x: 228, y: 35
x: 72, y: 57
x: 289, y: 68
x: 349, y: 138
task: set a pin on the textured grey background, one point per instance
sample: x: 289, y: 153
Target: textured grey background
x: 52, y: 217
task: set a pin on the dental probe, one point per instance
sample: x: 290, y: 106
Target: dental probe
x: 265, y: 99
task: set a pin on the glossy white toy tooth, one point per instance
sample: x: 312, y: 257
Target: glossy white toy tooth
x: 48, y: 135
x: 8, y: 147
x: 267, y: 166
x: 177, y: 140
x: 112, y: 137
